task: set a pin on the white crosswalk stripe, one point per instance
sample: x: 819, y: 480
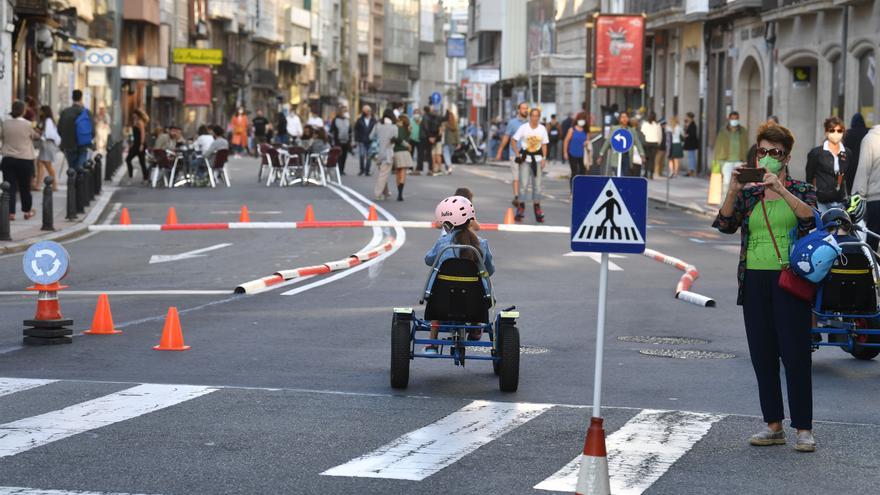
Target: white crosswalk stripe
x: 18, y: 490
x: 425, y: 451
x: 641, y: 451
x: 13, y: 385
x: 28, y: 433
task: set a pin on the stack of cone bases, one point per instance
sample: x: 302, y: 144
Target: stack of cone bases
x: 172, y: 335
x: 124, y: 218
x: 171, y: 219
x: 310, y: 214
x: 373, y: 216
x: 508, y: 217
x: 102, y: 322
x: 244, y: 216
x: 593, y: 477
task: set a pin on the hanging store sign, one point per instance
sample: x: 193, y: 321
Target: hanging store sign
x: 198, y: 56
x: 101, y: 57
x: 801, y: 76
x: 478, y: 95
x: 143, y: 73
x: 620, y: 46
x: 197, y: 85
x: 96, y: 76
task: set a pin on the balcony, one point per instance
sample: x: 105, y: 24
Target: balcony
x: 141, y: 11
x: 31, y: 7
x: 300, y: 17
x: 263, y: 79
x: 780, y: 9
x: 395, y: 86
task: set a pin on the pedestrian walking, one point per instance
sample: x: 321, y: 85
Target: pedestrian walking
x: 676, y: 152
x: 294, y: 127
x: 261, y: 128
x: 661, y: 161
x: 102, y: 129
x: 653, y: 133
x: 433, y: 126
x: 530, y: 142
x: 415, y: 131
x: 513, y: 125
x: 340, y: 131
x: 424, y: 154
x: 402, y: 158
x: 17, y: 136
x: 623, y: 161
x: 281, y: 135
x: 638, y: 159
x: 777, y: 323
x: 77, y: 132
x: 49, y: 142
x: 574, y: 148
x: 554, y: 132
x: 867, y: 181
x: 451, y: 139
x: 691, y: 143
x: 384, y: 133
x: 826, y: 166
x: 137, y: 148
x: 363, y: 129
x: 853, y: 141
x: 567, y: 123
x: 239, y: 123
x: 731, y: 148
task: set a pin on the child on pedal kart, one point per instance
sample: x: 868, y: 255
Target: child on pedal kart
x: 456, y: 214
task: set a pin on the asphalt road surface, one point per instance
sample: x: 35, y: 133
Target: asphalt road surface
x: 287, y: 391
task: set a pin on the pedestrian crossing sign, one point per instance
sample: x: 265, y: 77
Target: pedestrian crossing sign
x: 609, y: 214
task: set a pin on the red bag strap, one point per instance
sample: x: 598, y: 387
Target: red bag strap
x: 772, y: 237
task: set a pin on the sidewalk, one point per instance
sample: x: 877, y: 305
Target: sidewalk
x: 686, y: 193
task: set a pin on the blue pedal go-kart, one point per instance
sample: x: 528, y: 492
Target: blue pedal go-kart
x: 460, y: 302
x: 846, y: 306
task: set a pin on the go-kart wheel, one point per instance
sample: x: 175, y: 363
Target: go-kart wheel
x: 400, y: 352
x: 865, y: 353
x: 508, y: 351
x: 862, y: 352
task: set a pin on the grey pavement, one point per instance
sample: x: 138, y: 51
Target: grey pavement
x: 303, y: 378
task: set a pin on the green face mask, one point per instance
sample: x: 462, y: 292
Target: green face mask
x: 773, y: 165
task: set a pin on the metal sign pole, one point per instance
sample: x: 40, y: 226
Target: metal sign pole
x: 600, y: 336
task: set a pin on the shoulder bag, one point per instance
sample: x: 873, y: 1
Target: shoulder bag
x: 789, y: 281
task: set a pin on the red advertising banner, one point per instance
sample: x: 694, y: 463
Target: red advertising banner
x: 620, y: 46
x: 197, y: 85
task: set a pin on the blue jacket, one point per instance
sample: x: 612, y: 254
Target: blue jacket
x: 446, y: 240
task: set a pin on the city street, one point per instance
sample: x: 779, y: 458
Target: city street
x: 287, y: 391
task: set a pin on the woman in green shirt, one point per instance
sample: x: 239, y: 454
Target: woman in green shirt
x: 402, y: 161
x: 777, y: 323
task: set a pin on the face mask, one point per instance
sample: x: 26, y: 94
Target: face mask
x: 582, y: 123
x: 834, y: 137
x: 772, y: 165
x: 734, y: 122
x: 386, y: 120
x: 345, y: 115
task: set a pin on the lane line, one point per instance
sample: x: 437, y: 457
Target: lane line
x: 195, y: 253
x: 28, y: 433
x: 641, y: 451
x: 13, y: 385
x: 425, y: 451
x: 19, y: 490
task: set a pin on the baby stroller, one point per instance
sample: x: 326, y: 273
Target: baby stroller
x: 846, y: 306
x: 460, y: 298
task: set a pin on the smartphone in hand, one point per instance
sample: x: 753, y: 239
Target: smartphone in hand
x: 749, y: 174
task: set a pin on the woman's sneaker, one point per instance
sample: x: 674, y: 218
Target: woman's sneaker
x: 805, y: 442
x: 539, y: 214
x: 520, y: 212
x: 768, y: 437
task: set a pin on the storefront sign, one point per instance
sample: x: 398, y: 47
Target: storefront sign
x: 96, y: 76
x: 801, y: 76
x: 620, y: 43
x: 197, y: 85
x: 478, y: 95
x: 456, y: 48
x: 198, y: 56
x: 143, y: 73
x: 101, y: 57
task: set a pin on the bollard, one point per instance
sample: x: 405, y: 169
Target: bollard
x: 89, y: 184
x: 97, y: 168
x: 80, y: 185
x: 4, y: 212
x: 48, y: 209
x: 71, y: 194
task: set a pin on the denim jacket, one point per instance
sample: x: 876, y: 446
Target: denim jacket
x: 742, y: 209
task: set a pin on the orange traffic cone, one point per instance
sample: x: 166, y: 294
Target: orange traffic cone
x: 244, y: 216
x: 373, y: 216
x: 102, y: 322
x: 171, y: 219
x: 124, y: 218
x: 508, y: 217
x: 172, y: 335
x: 593, y: 477
x: 310, y: 214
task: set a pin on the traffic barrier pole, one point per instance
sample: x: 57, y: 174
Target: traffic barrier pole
x: 172, y: 334
x: 88, y: 184
x: 71, y: 195
x: 48, y: 207
x: 80, y: 185
x: 48, y: 326
x: 5, y: 231
x: 102, y: 321
x: 98, y: 173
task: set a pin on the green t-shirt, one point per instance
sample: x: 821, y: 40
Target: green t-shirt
x: 760, y: 254
x: 414, y: 126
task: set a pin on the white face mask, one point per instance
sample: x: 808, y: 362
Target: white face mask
x: 345, y: 115
x: 834, y: 137
x: 386, y: 120
x: 582, y: 123
x: 734, y: 122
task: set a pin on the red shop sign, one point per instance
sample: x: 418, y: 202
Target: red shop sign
x: 620, y: 46
x: 197, y: 85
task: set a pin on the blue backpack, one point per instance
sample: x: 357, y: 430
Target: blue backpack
x: 813, y: 255
x: 84, y: 134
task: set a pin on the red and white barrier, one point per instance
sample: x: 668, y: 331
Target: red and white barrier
x: 682, y: 289
x: 155, y: 227
x: 308, y: 271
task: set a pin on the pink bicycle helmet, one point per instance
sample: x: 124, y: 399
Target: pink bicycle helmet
x: 454, y: 210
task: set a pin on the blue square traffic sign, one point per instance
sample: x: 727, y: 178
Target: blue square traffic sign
x: 609, y: 214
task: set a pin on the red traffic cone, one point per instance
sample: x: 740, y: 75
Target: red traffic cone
x: 373, y: 216
x: 124, y: 218
x: 102, y: 322
x: 172, y: 335
x: 508, y: 217
x: 244, y: 216
x: 310, y: 214
x: 593, y: 477
x: 171, y: 219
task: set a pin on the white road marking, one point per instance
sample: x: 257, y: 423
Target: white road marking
x: 614, y: 267
x: 641, y: 451
x: 13, y: 385
x: 18, y: 490
x: 158, y: 292
x: 35, y: 431
x: 196, y: 253
x: 425, y: 451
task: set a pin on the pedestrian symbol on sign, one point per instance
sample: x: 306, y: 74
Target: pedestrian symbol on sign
x: 608, y: 214
x: 609, y: 221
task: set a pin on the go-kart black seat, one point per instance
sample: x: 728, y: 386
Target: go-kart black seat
x: 458, y: 294
x: 850, y: 287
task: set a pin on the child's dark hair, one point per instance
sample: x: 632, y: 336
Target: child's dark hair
x: 465, y: 192
x: 464, y: 235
